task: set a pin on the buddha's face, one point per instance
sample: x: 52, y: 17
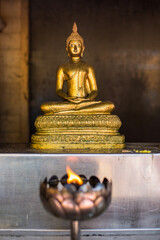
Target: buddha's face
x: 75, y: 48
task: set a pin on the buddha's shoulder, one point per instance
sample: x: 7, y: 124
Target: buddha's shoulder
x: 61, y: 67
x: 64, y: 67
x: 85, y: 64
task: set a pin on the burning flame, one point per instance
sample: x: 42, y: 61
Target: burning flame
x: 73, y: 177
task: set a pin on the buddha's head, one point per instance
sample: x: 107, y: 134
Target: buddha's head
x: 75, y: 44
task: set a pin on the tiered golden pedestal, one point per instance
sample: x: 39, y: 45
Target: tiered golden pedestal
x: 92, y: 131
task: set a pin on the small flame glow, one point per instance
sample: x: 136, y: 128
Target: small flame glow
x: 73, y: 177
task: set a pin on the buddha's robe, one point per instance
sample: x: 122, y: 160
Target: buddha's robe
x: 81, y: 92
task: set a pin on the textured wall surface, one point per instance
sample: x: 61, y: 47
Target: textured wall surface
x: 122, y: 43
x: 14, y: 72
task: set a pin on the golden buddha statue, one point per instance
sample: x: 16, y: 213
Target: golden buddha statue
x: 58, y: 125
x: 81, y: 84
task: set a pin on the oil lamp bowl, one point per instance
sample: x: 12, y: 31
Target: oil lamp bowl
x: 74, y: 202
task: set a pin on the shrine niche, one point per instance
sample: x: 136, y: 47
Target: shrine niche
x: 79, y: 122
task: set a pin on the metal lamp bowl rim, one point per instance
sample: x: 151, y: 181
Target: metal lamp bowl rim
x: 48, y: 194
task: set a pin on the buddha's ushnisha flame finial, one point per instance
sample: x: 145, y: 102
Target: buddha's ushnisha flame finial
x: 75, y: 36
x: 74, y: 28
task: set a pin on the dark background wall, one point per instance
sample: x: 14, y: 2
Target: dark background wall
x: 122, y: 40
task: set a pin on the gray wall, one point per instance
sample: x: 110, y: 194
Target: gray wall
x: 122, y: 40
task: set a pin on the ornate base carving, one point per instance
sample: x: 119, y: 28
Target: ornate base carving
x: 77, y: 132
